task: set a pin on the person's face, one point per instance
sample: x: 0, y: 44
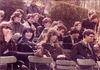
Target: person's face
x: 78, y: 26
x: 36, y: 18
x: 28, y: 35
x: 1, y: 17
x: 60, y: 32
x: 33, y: 3
x: 7, y: 31
x: 76, y: 35
x: 30, y: 20
x: 89, y: 38
x: 47, y: 25
x: 96, y: 20
x: 53, y: 38
x: 42, y: 10
x: 18, y: 19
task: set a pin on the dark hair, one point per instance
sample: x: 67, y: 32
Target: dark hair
x: 4, y: 24
x: 15, y: 14
x: 74, y: 31
x: 33, y: 1
x: 20, y: 10
x: 36, y: 14
x: 93, y: 16
x: 45, y: 20
x: 88, y: 32
x: 29, y: 16
x: 28, y: 30
x: 77, y: 23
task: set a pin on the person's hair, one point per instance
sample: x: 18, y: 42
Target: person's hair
x: 93, y: 16
x: 77, y: 23
x: 28, y: 30
x: 33, y: 1
x: 15, y: 14
x: 57, y: 23
x: 36, y: 14
x: 45, y: 20
x: 2, y: 13
x: 74, y: 31
x: 50, y: 33
x: 54, y: 23
x: 88, y: 32
x: 90, y: 12
x: 29, y: 16
x: 61, y: 26
x: 4, y: 24
x: 20, y: 10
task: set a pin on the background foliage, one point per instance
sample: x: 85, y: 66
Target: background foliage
x: 9, y: 6
x: 68, y: 13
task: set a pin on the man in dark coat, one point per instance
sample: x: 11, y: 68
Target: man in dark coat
x: 84, y: 49
x: 33, y: 8
x: 70, y: 40
x: 91, y: 22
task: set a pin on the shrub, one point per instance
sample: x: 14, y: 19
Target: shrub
x: 68, y: 13
x: 9, y: 6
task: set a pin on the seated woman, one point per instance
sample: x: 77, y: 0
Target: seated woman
x: 50, y: 46
x: 8, y: 46
x: 26, y: 44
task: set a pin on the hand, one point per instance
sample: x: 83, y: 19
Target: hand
x: 17, y: 34
x: 38, y: 53
x: 8, y: 37
x: 98, y: 55
x: 95, y: 46
x: 61, y: 56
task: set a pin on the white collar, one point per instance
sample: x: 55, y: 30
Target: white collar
x: 84, y: 41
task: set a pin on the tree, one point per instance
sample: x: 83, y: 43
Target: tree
x: 9, y: 6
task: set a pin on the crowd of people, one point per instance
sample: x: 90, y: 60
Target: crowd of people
x: 38, y: 35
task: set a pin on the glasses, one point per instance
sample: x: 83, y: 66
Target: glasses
x: 91, y: 36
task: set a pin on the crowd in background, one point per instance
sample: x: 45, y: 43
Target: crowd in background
x: 39, y: 35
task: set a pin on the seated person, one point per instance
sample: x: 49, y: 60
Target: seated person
x: 97, y: 48
x: 17, y: 27
x: 46, y: 23
x: 84, y: 49
x: 71, y: 39
x: 78, y: 26
x: 29, y: 23
x: 50, y: 46
x: 8, y: 46
x: 26, y: 44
